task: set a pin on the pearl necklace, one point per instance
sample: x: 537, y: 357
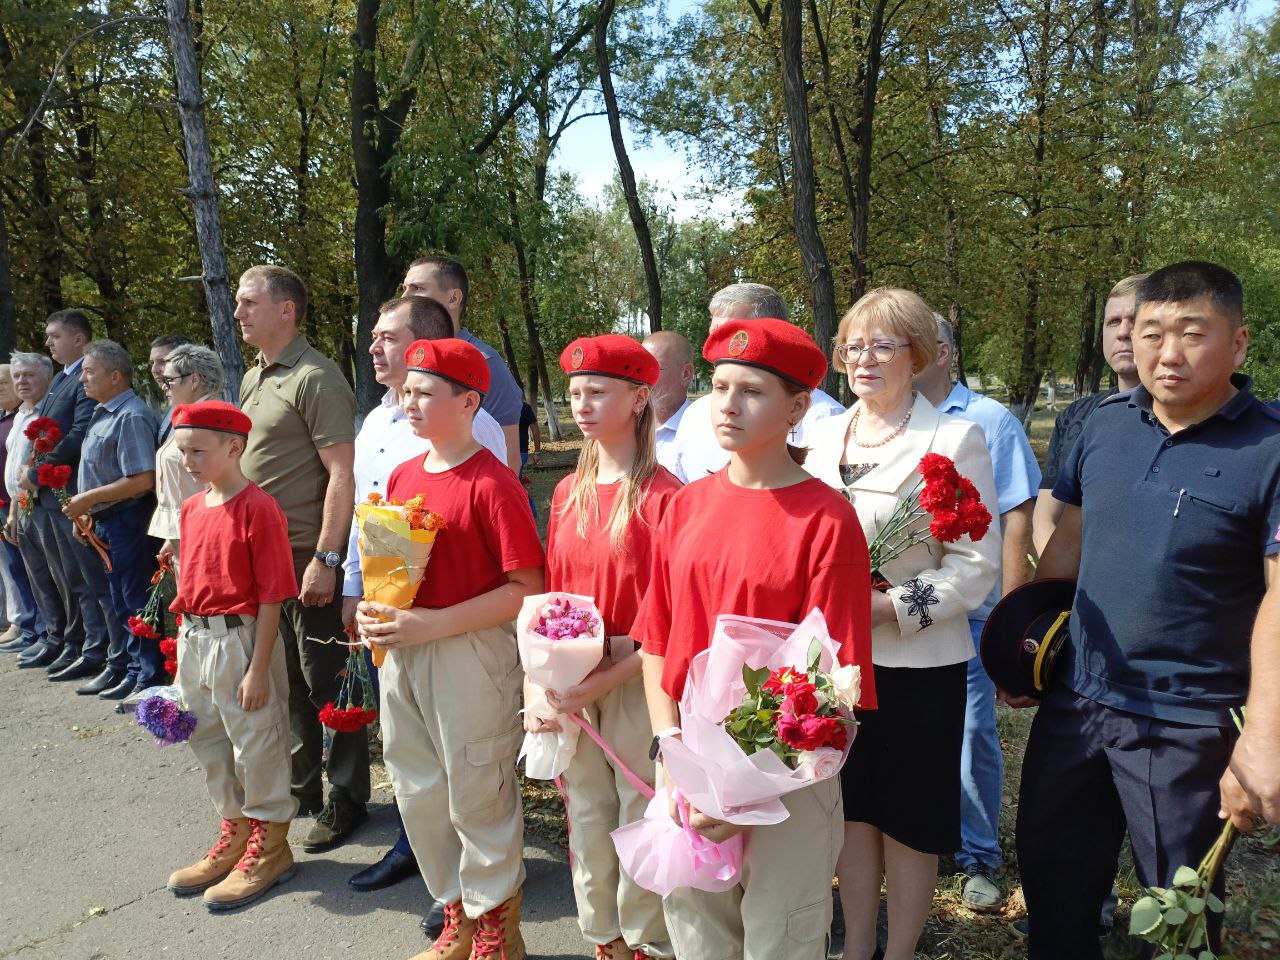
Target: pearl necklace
x: 853, y: 429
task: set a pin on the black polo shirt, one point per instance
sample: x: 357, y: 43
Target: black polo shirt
x: 1067, y: 427
x: 1171, y: 568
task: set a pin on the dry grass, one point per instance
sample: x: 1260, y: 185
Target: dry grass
x: 954, y: 932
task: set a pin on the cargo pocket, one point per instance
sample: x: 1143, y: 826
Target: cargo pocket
x: 491, y: 765
x: 806, y: 924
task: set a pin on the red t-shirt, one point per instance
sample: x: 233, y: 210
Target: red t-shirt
x: 773, y: 554
x: 591, y: 566
x: 233, y: 556
x: 489, y: 529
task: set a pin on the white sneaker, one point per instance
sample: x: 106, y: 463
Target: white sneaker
x: 980, y: 891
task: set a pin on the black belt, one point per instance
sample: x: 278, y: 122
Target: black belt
x: 231, y: 619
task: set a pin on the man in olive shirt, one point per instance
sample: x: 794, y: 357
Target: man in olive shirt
x: 301, y: 452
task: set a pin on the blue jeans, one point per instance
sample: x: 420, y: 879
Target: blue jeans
x: 132, y: 555
x: 29, y: 621
x: 402, y: 840
x: 981, y: 770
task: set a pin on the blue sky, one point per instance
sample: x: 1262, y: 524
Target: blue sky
x: 586, y: 149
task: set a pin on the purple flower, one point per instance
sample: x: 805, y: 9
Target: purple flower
x: 165, y: 720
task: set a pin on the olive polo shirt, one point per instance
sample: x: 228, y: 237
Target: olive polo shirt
x: 1176, y: 528
x: 299, y: 405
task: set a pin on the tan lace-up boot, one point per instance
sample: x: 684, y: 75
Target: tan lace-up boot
x: 216, y: 864
x: 267, y: 860
x: 454, y: 942
x: 498, y: 933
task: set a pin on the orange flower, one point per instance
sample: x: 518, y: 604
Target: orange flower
x: 375, y: 498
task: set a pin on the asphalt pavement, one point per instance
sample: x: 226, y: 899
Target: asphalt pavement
x: 94, y: 816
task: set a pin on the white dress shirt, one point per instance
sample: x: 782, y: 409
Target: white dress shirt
x: 697, y: 452
x: 17, y: 449
x: 384, y: 442
x: 666, y: 436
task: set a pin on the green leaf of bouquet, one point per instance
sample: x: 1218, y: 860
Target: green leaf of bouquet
x: 1213, y: 903
x: 1185, y: 876
x: 764, y: 716
x: 1194, y: 905
x: 1145, y: 916
x: 1184, y: 956
x: 1175, y: 916
x: 815, y: 653
x: 1206, y: 955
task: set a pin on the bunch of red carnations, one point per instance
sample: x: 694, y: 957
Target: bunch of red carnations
x: 356, y: 706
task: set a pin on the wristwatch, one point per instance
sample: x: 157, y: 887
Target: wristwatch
x: 329, y: 559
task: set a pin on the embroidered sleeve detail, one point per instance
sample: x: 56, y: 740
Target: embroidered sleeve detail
x: 919, y: 597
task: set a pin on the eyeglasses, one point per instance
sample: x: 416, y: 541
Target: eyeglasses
x: 881, y: 351
x: 168, y: 382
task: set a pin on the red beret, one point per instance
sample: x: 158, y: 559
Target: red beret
x: 212, y: 415
x: 780, y: 347
x: 610, y: 355
x: 455, y: 360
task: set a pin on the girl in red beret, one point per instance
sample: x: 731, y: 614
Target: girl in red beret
x: 760, y: 538
x: 599, y: 544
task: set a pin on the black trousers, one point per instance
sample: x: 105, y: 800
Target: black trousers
x: 1090, y: 773
x: 315, y: 675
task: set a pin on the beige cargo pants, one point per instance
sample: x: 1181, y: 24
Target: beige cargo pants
x: 782, y: 908
x: 599, y: 800
x: 245, y: 754
x: 451, y: 731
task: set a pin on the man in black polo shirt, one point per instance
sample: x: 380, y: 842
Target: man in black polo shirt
x: 1173, y: 505
x: 1117, y: 350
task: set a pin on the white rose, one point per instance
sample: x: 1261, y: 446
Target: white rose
x: 821, y: 764
x: 847, y: 682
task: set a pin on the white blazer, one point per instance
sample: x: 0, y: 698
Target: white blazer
x: 936, y: 584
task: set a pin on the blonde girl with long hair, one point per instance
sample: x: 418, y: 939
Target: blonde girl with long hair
x: 602, y: 520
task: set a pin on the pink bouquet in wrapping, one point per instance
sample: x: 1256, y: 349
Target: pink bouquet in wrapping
x: 561, y: 639
x: 798, y: 744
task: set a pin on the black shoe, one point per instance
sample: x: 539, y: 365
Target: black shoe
x: 387, y: 872
x: 333, y: 825
x: 78, y: 670
x: 38, y: 655
x: 65, y: 659
x: 835, y: 939
x: 433, y: 923
x: 309, y: 806
x: 17, y: 646
x: 120, y: 690
x: 107, y: 679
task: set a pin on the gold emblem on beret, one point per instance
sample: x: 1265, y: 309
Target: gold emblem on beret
x: 738, y: 343
x: 575, y: 360
x: 419, y: 356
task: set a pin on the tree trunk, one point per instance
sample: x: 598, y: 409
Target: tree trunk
x: 203, y: 195
x: 822, y: 294
x: 49, y: 255
x: 638, y: 219
x: 373, y: 142
x: 8, y: 309
x: 529, y: 308
x: 866, y: 137
x: 1085, y: 362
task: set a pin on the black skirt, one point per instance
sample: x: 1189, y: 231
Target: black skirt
x: 903, y: 773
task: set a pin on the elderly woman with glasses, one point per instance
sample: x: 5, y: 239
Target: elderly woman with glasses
x: 902, y: 780
x: 191, y: 374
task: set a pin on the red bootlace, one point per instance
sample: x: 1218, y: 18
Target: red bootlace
x: 452, y: 924
x: 224, y: 839
x: 489, y: 941
x: 604, y: 951
x: 253, y: 850
x: 640, y: 955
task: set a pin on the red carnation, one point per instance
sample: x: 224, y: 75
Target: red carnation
x: 934, y: 466
x: 937, y: 495
x: 169, y: 647
x: 347, y: 720
x: 947, y: 526
x: 968, y: 491
x: 55, y: 478
x: 976, y: 519
x: 171, y: 667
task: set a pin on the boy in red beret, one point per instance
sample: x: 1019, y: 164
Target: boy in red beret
x: 451, y: 682
x: 236, y: 569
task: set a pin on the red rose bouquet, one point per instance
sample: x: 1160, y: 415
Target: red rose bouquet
x: 942, y: 505
x: 356, y: 706
x: 56, y: 478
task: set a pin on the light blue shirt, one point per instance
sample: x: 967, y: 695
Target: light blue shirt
x: 120, y: 442
x: 1017, y: 472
